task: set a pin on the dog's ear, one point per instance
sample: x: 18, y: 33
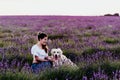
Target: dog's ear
x: 52, y: 51
x: 60, y: 50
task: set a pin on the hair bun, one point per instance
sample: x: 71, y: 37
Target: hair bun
x: 39, y: 33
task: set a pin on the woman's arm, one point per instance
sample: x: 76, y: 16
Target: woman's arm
x: 39, y: 59
x: 50, y: 58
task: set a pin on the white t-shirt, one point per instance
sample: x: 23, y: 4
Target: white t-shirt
x: 36, y: 51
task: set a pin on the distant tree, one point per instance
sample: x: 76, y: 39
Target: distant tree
x: 116, y: 14
x: 108, y: 15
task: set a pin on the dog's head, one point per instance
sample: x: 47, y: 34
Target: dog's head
x: 56, y: 53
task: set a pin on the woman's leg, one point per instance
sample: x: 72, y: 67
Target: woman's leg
x: 36, y: 67
x: 46, y: 64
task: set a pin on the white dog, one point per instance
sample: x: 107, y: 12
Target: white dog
x: 61, y: 59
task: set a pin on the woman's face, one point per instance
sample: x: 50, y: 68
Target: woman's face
x: 43, y: 41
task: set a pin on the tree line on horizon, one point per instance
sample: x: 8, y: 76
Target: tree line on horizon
x: 116, y: 14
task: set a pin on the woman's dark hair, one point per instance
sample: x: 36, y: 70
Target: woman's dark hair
x: 41, y: 36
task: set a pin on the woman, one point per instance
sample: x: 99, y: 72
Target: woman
x: 41, y: 60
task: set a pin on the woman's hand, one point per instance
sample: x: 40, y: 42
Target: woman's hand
x: 38, y: 59
x: 50, y: 58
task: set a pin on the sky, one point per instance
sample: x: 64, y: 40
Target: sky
x: 59, y: 7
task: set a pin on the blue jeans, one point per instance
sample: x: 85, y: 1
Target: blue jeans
x: 36, y: 67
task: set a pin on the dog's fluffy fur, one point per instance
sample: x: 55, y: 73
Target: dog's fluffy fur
x: 61, y: 59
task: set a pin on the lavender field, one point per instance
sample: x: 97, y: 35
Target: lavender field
x: 92, y: 42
